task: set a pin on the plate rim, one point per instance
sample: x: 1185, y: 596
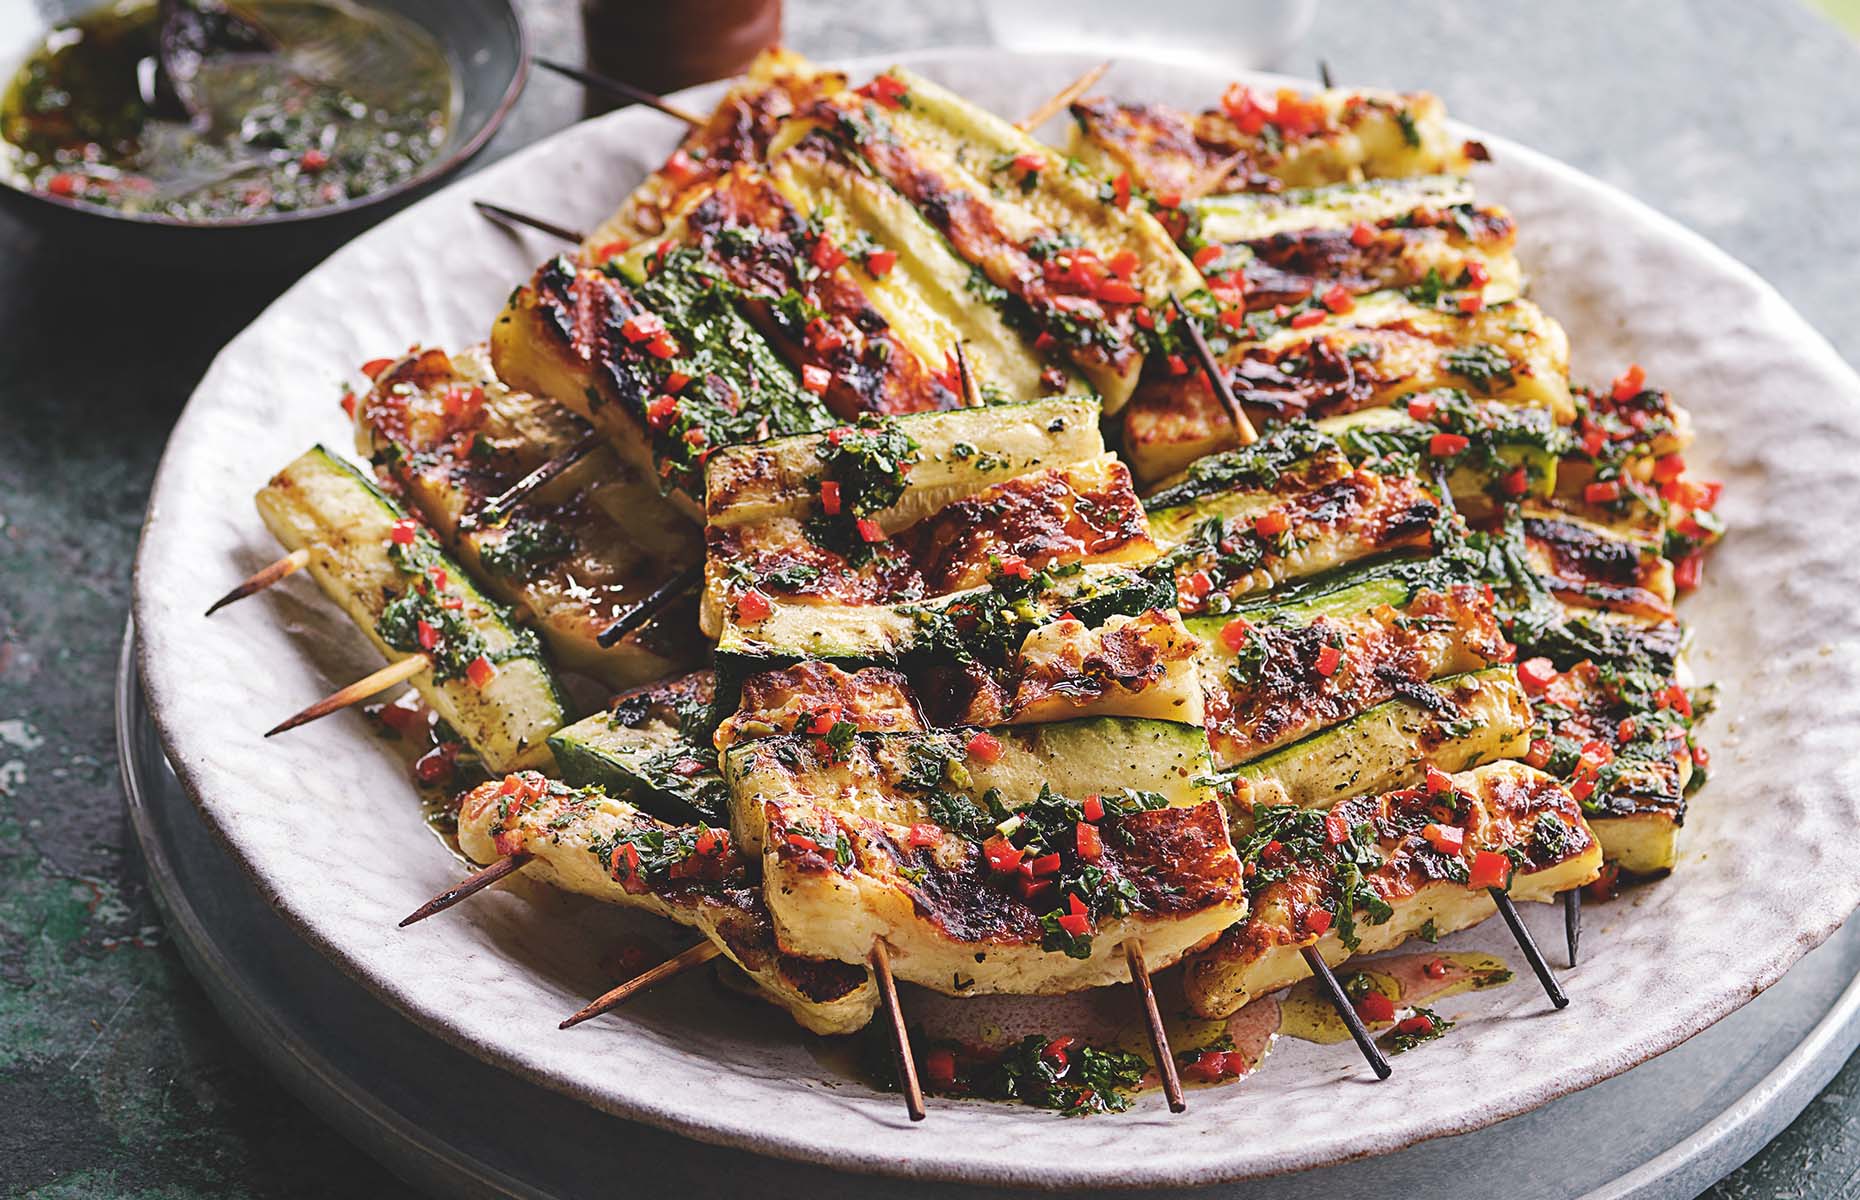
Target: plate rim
x: 770, y: 1140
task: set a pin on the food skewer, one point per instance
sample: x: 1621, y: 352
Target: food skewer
x: 1528, y: 945
x: 1159, y: 1036
x: 495, y: 507
x: 880, y: 962
x: 678, y: 964
x: 637, y: 95
x: 368, y: 685
x: 1062, y: 98
x: 1216, y: 378
x: 511, y: 216
x: 263, y: 578
x: 469, y: 886
x: 687, y: 580
x: 1359, y: 1033
x: 1572, y: 921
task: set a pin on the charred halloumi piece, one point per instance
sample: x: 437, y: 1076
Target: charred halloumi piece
x: 808, y: 294
x: 917, y: 840
x: 1135, y: 666
x: 1288, y: 507
x: 819, y: 698
x: 1051, y: 250
x: 577, y: 553
x: 1486, y: 717
x: 1621, y: 736
x: 585, y: 841
x: 486, y: 675
x: 777, y: 85
x: 1422, y: 235
x: 669, y: 370
x: 1373, y: 871
x: 1281, y: 138
x: 1315, y: 363
x: 1587, y: 564
x: 1273, y: 676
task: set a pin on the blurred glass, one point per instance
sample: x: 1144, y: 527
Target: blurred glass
x: 1206, y: 33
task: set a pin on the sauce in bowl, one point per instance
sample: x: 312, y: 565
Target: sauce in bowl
x: 353, y: 101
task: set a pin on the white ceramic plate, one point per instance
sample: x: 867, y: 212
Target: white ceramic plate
x: 325, y: 821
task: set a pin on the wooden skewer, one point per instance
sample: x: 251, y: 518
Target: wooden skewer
x: 637, y: 95
x: 679, y: 963
x: 471, y: 885
x: 1572, y: 921
x: 1063, y: 97
x: 971, y: 391
x: 900, y: 1039
x: 660, y: 599
x: 1213, y: 177
x: 495, y: 508
x: 1358, y: 1031
x: 1159, y: 1037
x: 263, y: 578
x: 511, y: 216
x: 1324, y: 74
x: 1526, y: 943
x: 1217, y: 379
x: 355, y: 693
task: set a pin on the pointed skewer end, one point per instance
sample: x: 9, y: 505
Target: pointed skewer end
x: 692, y: 956
x: 1572, y: 922
x: 1528, y: 945
x: 1159, y: 1034
x: 1352, y: 1020
x: 471, y: 885
x: 880, y: 962
x: 263, y: 578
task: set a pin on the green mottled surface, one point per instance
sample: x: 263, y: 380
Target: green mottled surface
x: 116, y: 1076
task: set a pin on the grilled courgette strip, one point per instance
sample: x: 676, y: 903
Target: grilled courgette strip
x: 389, y: 574
x: 1017, y: 212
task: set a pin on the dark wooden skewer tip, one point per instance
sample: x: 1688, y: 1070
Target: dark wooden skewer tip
x: 1353, y: 1020
x: 880, y: 962
x: 495, y: 508
x: 510, y: 216
x: 660, y: 599
x: 1528, y: 945
x: 471, y: 885
x: 1572, y: 921
x: 262, y: 578
x: 692, y: 956
x: 1159, y: 1034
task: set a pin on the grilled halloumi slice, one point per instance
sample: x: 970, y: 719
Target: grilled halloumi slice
x: 1422, y: 235
x: 388, y: 573
x: 585, y: 841
x: 1050, y: 249
x: 577, y: 553
x: 1588, y: 564
x: 1384, y: 347
x: 668, y: 371
x: 1255, y: 138
x: 1275, y: 675
x: 777, y: 85
x: 1621, y: 736
x: 817, y: 698
x: 1288, y: 507
x: 1423, y: 858
x: 916, y: 840
x: 1481, y: 717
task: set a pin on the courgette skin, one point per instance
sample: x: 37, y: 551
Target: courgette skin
x: 324, y: 505
x: 670, y: 774
x: 1486, y: 718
